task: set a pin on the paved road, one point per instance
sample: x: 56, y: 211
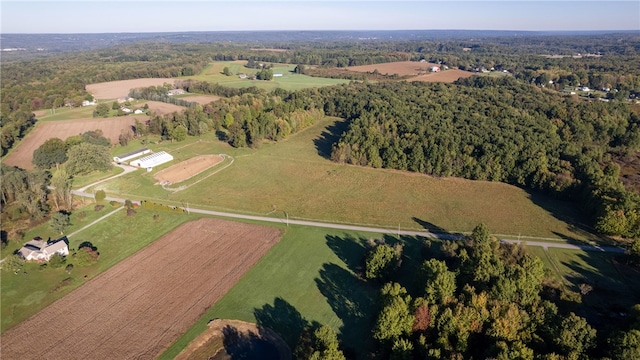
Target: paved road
x: 443, y: 236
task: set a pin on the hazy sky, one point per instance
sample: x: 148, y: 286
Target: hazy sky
x: 91, y: 16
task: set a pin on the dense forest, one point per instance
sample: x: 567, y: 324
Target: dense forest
x: 482, y: 299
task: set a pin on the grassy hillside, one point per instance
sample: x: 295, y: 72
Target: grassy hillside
x: 295, y: 177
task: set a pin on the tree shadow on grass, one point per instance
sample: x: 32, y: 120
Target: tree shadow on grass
x: 239, y: 345
x: 608, y: 287
x: 566, y: 211
x: 350, y: 250
x: 429, y: 226
x: 329, y: 136
x: 283, y: 318
x: 353, y: 300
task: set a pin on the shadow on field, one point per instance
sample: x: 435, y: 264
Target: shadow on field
x: 429, y: 226
x: 247, y: 346
x: 329, y: 136
x: 353, y: 300
x: 283, y: 318
x: 566, y: 211
x: 350, y: 250
x: 607, y: 286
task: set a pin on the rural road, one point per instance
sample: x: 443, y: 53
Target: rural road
x: 442, y: 236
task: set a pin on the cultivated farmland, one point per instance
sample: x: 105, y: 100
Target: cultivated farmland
x: 140, y: 306
x: 111, y: 128
x: 118, y: 89
x: 413, y: 70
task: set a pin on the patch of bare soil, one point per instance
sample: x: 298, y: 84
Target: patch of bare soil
x: 202, y: 99
x: 231, y: 339
x: 187, y: 169
x: 161, y: 108
x: 137, y: 308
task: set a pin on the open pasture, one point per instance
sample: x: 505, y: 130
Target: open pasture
x: 139, y: 307
x: 118, y: 89
x: 288, y: 81
x: 295, y: 176
x: 22, y: 155
x: 187, y: 169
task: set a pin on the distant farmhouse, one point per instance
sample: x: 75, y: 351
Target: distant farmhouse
x: 175, y: 92
x: 40, y: 250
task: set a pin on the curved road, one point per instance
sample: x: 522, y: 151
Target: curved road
x: 443, y: 236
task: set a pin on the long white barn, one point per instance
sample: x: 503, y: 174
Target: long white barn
x: 131, y: 155
x: 152, y: 160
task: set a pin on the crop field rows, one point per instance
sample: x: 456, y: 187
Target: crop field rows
x: 139, y: 307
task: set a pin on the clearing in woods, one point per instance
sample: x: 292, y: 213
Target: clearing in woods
x: 22, y: 155
x: 118, y: 89
x: 139, y: 307
x: 187, y: 169
x: 418, y: 71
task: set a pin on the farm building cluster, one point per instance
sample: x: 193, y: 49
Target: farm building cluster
x: 148, y: 162
x: 41, y: 250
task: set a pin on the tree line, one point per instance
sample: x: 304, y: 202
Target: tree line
x: 496, y: 129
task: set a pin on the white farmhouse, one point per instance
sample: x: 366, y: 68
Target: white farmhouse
x: 40, y: 250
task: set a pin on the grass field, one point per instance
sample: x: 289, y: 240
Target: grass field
x: 26, y: 293
x: 308, y: 276
x: 288, y: 80
x: 295, y: 177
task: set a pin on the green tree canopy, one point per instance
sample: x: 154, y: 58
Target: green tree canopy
x: 440, y: 282
x: 60, y: 221
x: 380, y: 261
x: 51, y: 152
x: 85, y: 158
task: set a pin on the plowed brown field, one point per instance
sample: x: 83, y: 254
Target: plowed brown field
x: 118, y: 89
x: 111, y: 128
x: 415, y: 71
x: 140, y: 306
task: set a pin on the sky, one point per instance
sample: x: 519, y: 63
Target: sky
x: 95, y: 16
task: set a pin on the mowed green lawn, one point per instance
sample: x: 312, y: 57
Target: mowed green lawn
x: 116, y: 238
x: 307, y: 277
x: 292, y: 177
x: 288, y: 80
